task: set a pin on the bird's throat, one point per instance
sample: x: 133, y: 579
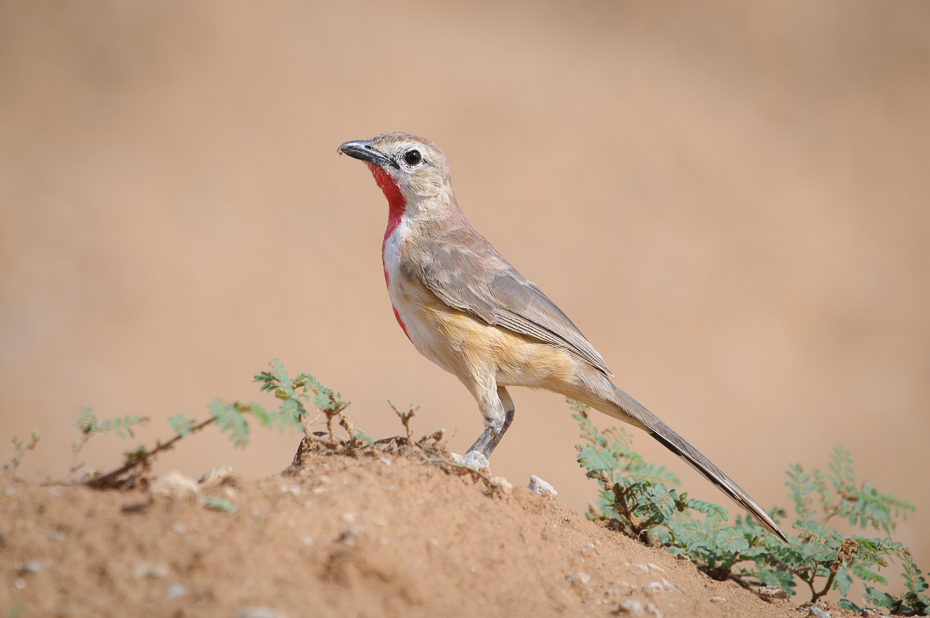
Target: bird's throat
x: 396, y: 201
x: 396, y: 206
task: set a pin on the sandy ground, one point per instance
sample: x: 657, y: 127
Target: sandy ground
x: 377, y: 535
x: 729, y: 199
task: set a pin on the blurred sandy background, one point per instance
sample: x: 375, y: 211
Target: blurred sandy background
x: 729, y: 199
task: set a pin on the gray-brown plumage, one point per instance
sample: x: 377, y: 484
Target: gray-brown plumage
x: 468, y: 310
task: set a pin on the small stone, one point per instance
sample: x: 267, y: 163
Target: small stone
x: 148, y: 569
x: 174, y: 591
x: 641, y: 567
x: 654, y: 588
x: 54, y: 491
x: 33, y: 566
x: 578, y: 578
x: 632, y: 607
x: 308, y: 540
x: 260, y: 612
x: 656, y: 568
x: 541, y: 487
x: 652, y: 609
x: 175, y: 485
x: 816, y: 612
x: 348, y: 517
x: 475, y: 461
x: 217, y: 476
x: 501, y: 485
x: 772, y: 593
x: 668, y: 584
x: 717, y: 600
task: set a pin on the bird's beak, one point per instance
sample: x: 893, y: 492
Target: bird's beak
x: 364, y: 150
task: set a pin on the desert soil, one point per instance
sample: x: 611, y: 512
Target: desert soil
x: 377, y: 534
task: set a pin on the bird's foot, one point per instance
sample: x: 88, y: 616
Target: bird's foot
x: 473, y: 460
x: 486, y: 442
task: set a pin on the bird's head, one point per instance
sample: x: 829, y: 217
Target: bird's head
x: 406, y: 167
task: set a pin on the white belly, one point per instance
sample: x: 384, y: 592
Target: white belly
x: 413, y: 302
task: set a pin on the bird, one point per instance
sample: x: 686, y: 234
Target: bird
x: 465, y: 308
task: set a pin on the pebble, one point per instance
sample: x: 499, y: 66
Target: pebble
x: 33, y: 566
x: 668, y: 584
x: 499, y: 483
x: 149, y: 569
x: 217, y: 476
x: 771, y: 593
x: 260, y: 612
x: 816, y: 612
x: 632, y: 607
x: 474, y: 460
x: 541, y: 487
x: 580, y: 578
x: 641, y: 567
x: 175, y: 485
x: 717, y: 600
x: 174, y: 591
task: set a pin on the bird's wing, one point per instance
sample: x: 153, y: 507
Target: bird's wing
x: 468, y: 274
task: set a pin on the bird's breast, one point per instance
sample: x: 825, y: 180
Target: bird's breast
x: 418, y: 311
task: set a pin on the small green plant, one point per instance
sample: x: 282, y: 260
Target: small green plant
x: 636, y: 499
x: 294, y: 393
x: 405, y: 418
x: 219, y: 504
x: 635, y: 495
x: 20, y: 447
x: 231, y: 418
x: 89, y: 426
x: 912, y: 602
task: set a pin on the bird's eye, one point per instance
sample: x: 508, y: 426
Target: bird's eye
x: 413, y: 157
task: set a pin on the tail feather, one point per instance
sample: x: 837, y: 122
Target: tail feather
x: 666, y: 436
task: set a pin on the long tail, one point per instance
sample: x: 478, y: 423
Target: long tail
x: 630, y: 408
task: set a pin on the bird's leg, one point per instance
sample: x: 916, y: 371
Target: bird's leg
x: 491, y: 437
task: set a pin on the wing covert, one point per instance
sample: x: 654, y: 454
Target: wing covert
x: 474, y: 278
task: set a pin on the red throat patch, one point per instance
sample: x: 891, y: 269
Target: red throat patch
x: 396, y: 206
x: 396, y: 201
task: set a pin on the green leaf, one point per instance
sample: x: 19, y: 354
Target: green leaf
x: 229, y: 419
x: 181, y: 425
x: 867, y: 575
x: 708, y: 508
x: 219, y: 504
x: 849, y: 605
x: 364, y: 437
x: 730, y: 540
